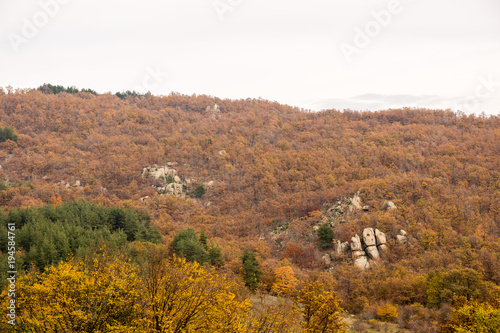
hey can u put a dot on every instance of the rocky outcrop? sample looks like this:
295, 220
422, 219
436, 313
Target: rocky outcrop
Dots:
213, 108
167, 181
174, 188
369, 249
337, 212
68, 185
160, 172
214, 111
366, 251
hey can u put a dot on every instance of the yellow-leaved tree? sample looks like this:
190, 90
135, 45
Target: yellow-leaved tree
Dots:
285, 282
101, 295
186, 297
321, 309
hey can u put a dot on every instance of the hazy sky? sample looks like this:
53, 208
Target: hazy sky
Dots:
358, 54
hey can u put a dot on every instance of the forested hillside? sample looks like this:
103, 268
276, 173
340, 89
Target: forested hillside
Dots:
257, 178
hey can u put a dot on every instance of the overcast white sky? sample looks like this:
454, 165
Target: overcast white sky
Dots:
313, 54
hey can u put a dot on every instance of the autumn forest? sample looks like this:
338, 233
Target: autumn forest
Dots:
142, 213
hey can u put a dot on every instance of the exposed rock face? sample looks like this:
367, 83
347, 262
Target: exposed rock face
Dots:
369, 237
355, 202
68, 185
326, 259
389, 205
214, 111
214, 107
337, 212
159, 172
356, 244
174, 188
167, 180
368, 251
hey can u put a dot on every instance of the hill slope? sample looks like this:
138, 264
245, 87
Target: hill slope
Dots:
257, 174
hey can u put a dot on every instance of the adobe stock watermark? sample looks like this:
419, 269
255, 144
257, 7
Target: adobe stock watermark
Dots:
485, 90
31, 27
224, 6
153, 79
372, 29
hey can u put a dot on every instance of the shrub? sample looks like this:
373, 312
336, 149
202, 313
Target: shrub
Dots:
325, 235
387, 313
199, 191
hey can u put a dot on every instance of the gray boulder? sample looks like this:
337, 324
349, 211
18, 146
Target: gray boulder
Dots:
355, 203
357, 254
356, 244
389, 205
372, 252
174, 188
340, 249
362, 262
369, 237
380, 236
402, 238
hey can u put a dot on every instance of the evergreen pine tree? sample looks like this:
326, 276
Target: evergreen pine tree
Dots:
251, 272
325, 235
